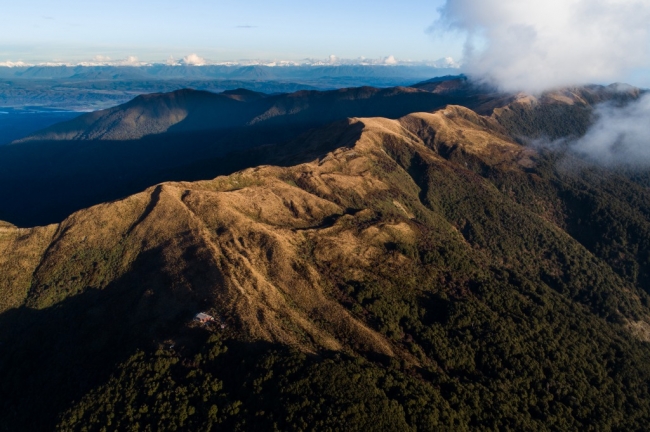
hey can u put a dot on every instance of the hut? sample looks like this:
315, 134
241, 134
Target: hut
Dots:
203, 317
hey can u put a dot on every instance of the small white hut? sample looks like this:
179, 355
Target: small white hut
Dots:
203, 317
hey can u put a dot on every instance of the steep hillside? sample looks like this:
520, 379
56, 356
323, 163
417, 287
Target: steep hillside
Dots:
192, 135
192, 111
150, 115
560, 113
421, 273
162, 137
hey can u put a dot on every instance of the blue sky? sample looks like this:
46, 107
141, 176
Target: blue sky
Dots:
66, 30
516, 44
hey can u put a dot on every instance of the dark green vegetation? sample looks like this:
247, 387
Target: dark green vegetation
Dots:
450, 280
561, 114
233, 386
606, 211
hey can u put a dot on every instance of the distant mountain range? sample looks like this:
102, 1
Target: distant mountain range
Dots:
236, 72
88, 88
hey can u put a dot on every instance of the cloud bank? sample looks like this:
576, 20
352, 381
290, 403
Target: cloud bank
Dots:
620, 136
11, 64
193, 60
532, 45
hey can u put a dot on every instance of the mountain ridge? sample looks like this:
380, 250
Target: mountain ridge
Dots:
205, 133
263, 109
432, 246
197, 140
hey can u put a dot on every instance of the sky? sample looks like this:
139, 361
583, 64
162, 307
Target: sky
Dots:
535, 45
517, 45
221, 30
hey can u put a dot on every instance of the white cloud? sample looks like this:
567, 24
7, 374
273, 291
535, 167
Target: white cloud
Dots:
101, 59
13, 64
130, 61
446, 62
193, 60
620, 135
333, 60
534, 45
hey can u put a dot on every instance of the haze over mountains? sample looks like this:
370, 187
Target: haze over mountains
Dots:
420, 272
227, 71
102, 86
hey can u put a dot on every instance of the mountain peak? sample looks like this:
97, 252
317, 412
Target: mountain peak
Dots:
244, 94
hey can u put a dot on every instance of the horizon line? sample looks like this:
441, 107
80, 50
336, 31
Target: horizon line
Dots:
132, 61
